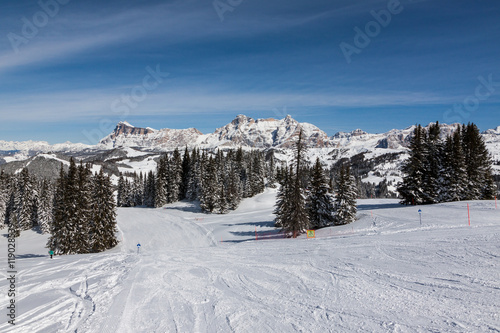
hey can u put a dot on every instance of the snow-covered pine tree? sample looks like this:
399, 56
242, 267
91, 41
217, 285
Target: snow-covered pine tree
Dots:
411, 188
233, 192
161, 182
149, 190
478, 162
345, 197
210, 192
59, 229
257, 176
176, 176
35, 202
293, 213
138, 189
432, 182
282, 209
320, 205
45, 212
103, 229
23, 200
271, 172
194, 176
4, 197
186, 166
454, 173
120, 195
81, 240
460, 180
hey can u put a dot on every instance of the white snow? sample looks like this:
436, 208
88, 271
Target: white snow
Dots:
208, 273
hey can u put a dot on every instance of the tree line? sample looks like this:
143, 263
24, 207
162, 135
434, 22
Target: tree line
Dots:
218, 180
458, 167
78, 210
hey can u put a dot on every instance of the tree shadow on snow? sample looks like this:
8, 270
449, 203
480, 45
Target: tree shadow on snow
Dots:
378, 206
27, 256
264, 224
189, 206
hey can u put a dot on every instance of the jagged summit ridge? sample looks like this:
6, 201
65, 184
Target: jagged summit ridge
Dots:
265, 133
127, 135
242, 131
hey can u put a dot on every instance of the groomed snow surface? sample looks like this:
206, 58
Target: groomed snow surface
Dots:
208, 273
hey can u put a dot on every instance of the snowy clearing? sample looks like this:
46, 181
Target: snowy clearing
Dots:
207, 273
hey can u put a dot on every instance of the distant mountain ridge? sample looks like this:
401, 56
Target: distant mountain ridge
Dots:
245, 132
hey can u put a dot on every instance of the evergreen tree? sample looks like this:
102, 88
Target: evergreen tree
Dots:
292, 212
282, 208
345, 199
82, 220
271, 172
432, 182
103, 228
320, 201
194, 176
150, 190
175, 176
45, 213
186, 166
411, 189
4, 197
120, 196
68, 225
478, 163
210, 196
59, 229
257, 183
161, 183
23, 200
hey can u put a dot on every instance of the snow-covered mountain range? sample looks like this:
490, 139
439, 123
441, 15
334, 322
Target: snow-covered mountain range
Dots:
129, 148
243, 131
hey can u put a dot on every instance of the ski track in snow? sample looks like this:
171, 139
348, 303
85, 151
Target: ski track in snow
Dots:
206, 273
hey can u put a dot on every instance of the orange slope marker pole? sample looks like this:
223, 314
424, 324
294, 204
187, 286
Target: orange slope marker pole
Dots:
468, 213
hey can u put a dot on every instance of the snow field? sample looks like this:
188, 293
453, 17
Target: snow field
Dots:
206, 273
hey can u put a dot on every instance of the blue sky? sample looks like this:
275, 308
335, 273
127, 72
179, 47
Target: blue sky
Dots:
72, 69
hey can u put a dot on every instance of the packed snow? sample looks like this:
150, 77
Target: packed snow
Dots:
196, 272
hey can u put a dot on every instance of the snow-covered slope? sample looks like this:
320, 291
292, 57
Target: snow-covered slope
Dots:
208, 273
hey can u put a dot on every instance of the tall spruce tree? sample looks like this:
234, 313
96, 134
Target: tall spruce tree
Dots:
432, 182
161, 183
411, 188
320, 201
210, 196
4, 197
293, 216
103, 228
345, 197
478, 162
45, 214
